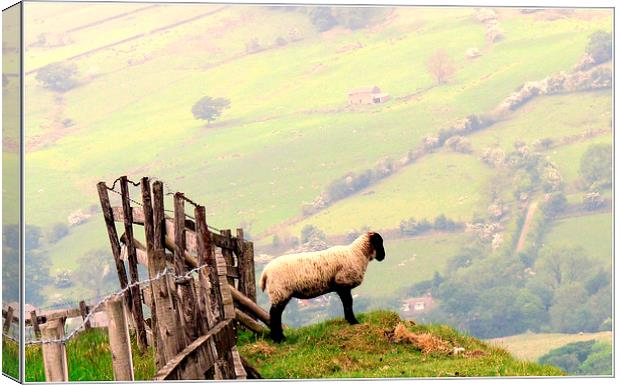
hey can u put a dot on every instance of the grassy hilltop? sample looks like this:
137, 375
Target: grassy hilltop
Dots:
325, 350
290, 136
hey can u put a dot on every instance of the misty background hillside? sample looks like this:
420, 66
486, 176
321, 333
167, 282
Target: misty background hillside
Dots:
476, 141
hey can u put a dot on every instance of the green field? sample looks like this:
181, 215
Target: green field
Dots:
532, 346
567, 157
423, 190
592, 232
421, 257
552, 117
289, 132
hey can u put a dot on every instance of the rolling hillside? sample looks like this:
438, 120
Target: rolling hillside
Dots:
289, 131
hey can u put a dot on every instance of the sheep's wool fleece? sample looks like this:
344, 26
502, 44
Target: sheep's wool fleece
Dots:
308, 275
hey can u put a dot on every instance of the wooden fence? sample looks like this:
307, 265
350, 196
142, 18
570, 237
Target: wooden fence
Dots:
200, 287
10, 316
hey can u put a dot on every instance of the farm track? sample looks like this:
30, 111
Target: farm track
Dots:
135, 37
531, 210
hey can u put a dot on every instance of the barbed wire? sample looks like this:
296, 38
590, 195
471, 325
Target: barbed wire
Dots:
170, 192
93, 309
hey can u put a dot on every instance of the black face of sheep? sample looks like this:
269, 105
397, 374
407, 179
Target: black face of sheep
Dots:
377, 244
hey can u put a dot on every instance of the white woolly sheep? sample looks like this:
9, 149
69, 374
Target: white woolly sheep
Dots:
308, 275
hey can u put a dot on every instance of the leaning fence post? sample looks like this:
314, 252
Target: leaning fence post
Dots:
54, 353
167, 321
84, 314
132, 262
8, 320
120, 344
34, 320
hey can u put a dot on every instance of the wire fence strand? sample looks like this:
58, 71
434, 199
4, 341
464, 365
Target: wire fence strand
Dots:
94, 309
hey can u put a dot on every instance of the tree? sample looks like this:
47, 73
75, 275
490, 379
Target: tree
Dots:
321, 18
569, 357
58, 77
593, 200
595, 165
556, 204
440, 66
599, 361
209, 108
355, 17
600, 46
309, 232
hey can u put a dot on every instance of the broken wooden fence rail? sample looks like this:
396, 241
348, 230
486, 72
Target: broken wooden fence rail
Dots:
35, 320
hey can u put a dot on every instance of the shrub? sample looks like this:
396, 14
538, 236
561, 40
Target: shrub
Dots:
593, 200
555, 205
253, 45
280, 41
413, 227
600, 46
595, 166
310, 232
58, 77
443, 223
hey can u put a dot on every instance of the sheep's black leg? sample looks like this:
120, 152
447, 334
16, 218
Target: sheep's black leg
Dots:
347, 303
275, 324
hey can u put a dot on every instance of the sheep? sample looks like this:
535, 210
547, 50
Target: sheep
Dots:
308, 275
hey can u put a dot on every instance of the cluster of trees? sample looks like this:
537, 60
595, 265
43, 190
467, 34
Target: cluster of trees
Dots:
595, 167
412, 226
58, 77
326, 18
96, 272
352, 182
600, 46
36, 264
497, 295
581, 358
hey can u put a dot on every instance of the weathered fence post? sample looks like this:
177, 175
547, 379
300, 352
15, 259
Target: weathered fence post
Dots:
209, 291
149, 234
228, 253
84, 314
120, 344
54, 353
34, 320
8, 320
167, 323
245, 258
187, 300
108, 216
132, 261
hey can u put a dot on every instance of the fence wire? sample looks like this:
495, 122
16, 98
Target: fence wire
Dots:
169, 192
166, 272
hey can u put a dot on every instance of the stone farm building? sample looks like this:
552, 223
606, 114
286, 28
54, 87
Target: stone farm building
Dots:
367, 95
418, 305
